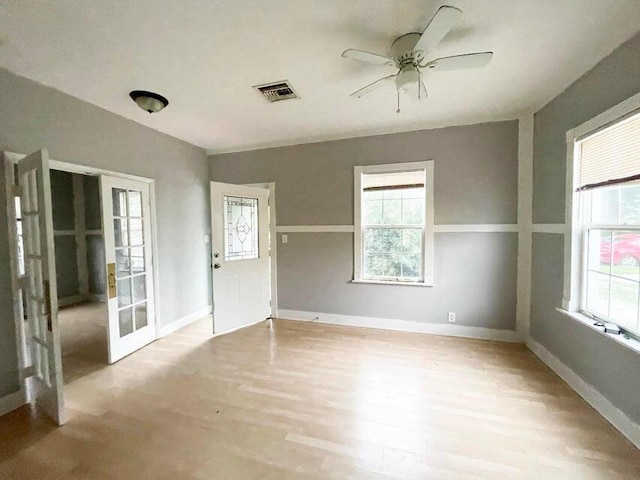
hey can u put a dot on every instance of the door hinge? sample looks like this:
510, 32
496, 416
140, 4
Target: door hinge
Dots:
16, 190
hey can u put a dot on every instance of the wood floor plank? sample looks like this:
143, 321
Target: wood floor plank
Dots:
290, 400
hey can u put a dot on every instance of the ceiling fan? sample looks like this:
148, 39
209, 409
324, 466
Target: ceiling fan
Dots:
409, 53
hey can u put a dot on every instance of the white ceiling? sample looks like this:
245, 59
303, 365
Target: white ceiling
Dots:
205, 56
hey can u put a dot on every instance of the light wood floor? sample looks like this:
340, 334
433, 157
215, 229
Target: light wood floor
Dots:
312, 401
83, 337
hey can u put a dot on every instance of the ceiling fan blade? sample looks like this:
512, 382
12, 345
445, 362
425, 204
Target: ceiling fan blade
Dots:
437, 28
368, 57
372, 86
459, 62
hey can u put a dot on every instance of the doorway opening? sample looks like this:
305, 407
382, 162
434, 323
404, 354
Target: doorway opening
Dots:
80, 272
83, 250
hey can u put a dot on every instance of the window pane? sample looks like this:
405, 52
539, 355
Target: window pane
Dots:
599, 251
240, 228
626, 254
624, 302
382, 265
598, 293
630, 204
371, 210
392, 210
411, 265
412, 240
618, 204
413, 211
382, 240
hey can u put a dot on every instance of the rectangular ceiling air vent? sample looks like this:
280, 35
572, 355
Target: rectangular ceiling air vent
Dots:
276, 91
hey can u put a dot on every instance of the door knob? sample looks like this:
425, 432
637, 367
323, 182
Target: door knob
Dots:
216, 265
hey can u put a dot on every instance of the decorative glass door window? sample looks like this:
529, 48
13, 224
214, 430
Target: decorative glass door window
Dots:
130, 260
240, 228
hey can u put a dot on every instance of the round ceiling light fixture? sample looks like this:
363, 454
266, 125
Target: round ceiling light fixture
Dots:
149, 101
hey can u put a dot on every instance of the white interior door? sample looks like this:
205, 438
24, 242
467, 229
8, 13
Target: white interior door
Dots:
127, 239
240, 249
39, 282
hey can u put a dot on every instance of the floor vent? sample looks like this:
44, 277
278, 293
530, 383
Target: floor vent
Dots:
276, 91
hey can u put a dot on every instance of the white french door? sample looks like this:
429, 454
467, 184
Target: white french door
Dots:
39, 283
240, 250
127, 238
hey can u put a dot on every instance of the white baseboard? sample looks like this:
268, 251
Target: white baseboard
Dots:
403, 325
184, 321
608, 410
12, 401
66, 301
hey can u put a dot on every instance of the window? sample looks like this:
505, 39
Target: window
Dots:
394, 223
606, 223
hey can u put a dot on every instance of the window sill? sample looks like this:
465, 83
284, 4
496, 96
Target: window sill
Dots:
389, 282
630, 343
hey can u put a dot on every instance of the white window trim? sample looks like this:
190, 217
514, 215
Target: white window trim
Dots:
573, 288
428, 242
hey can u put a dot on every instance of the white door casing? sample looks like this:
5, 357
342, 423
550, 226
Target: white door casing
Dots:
39, 283
126, 218
240, 255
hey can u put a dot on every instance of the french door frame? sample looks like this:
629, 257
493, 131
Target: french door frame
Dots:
10, 159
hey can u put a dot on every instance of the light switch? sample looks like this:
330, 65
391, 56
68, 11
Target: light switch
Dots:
284, 238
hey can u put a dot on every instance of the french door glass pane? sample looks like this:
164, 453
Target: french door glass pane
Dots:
124, 292
119, 197
135, 203
136, 234
137, 259
141, 315
125, 319
122, 262
120, 232
139, 288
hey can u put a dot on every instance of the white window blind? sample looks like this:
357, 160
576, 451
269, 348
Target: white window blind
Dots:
393, 180
611, 156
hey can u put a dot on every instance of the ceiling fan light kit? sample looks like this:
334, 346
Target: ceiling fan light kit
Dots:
149, 101
409, 52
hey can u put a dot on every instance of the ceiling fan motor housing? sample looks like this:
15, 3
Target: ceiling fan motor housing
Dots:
402, 50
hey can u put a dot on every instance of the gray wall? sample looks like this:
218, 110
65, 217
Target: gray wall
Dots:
33, 117
475, 183
609, 367
63, 212
97, 274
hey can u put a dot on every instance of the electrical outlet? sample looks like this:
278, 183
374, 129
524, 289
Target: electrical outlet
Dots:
452, 317
284, 238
